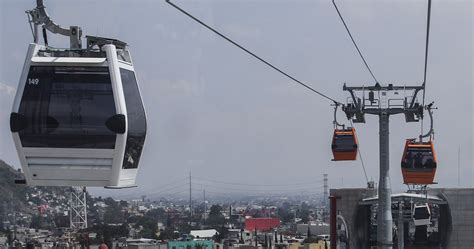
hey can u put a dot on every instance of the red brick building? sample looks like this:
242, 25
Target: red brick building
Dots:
261, 224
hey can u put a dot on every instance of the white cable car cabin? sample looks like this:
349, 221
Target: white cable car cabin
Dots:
78, 117
421, 214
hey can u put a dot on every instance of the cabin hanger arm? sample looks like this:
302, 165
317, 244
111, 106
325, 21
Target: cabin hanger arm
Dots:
39, 16
431, 131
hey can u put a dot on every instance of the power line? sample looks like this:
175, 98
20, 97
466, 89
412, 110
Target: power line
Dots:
185, 184
251, 53
175, 195
164, 187
353, 41
168, 184
258, 185
253, 194
153, 188
257, 190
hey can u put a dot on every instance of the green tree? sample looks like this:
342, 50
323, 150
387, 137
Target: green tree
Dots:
285, 215
40, 222
113, 212
105, 233
156, 214
168, 234
216, 218
222, 233
150, 227
36, 222
304, 212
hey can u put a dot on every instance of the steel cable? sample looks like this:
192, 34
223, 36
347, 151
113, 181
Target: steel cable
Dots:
252, 53
353, 41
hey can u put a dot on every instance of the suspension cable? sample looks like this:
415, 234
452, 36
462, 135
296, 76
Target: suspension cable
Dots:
251, 53
428, 19
361, 159
353, 41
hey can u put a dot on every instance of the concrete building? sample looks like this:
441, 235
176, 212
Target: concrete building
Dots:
318, 245
207, 234
191, 244
314, 228
452, 222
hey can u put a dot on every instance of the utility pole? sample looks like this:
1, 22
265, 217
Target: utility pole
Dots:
325, 194
5, 211
12, 209
205, 204
388, 101
459, 166
325, 197
190, 198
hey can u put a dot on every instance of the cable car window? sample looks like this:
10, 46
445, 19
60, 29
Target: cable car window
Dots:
422, 213
420, 158
344, 143
66, 107
136, 120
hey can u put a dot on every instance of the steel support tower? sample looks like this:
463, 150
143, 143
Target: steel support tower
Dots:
390, 100
400, 226
78, 208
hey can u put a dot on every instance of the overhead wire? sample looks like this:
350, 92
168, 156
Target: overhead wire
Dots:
175, 195
257, 184
262, 194
246, 190
153, 189
252, 53
185, 184
296, 80
353, 41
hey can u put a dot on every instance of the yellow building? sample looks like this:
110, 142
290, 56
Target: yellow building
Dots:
320, 245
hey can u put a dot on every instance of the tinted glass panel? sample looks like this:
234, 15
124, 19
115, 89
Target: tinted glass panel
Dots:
66, 107
419, 158
136, 120
421, 213
344, 143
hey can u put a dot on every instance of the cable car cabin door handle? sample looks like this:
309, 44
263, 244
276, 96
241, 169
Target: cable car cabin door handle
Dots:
116, 123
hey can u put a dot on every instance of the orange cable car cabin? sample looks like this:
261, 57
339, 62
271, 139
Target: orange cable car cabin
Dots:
419, 162
344, 144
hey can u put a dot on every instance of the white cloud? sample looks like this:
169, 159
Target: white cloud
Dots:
9, 90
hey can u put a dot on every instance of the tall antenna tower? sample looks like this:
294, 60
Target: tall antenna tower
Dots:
190, 197
78, 208
205, 204
459, 166
325, 194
